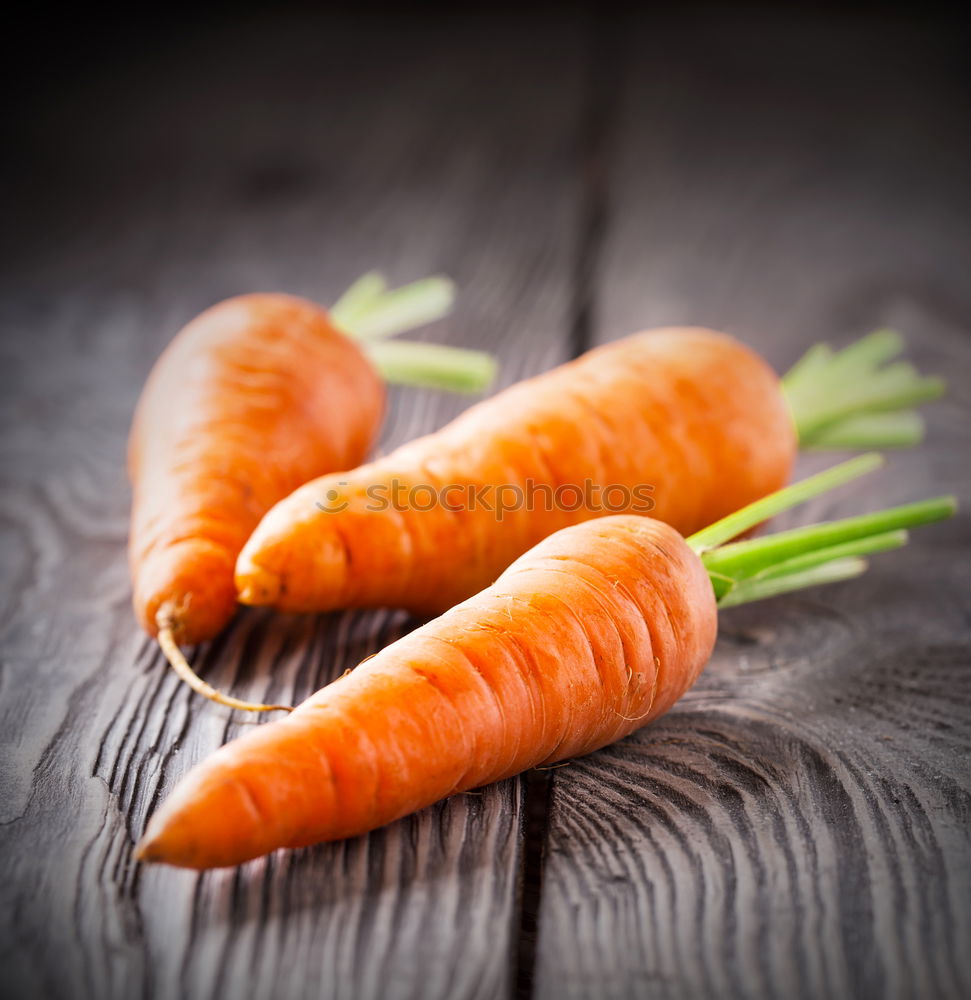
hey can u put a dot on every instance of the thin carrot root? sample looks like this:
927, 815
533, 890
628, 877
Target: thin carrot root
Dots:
178, 662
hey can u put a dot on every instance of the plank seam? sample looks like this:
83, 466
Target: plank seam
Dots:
596, 127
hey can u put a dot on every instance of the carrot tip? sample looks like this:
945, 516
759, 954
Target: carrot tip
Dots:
254, 585
248, 595
147, 848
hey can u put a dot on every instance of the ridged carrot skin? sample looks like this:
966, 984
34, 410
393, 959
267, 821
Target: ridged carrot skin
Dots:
590, 635
254, 397
689, 411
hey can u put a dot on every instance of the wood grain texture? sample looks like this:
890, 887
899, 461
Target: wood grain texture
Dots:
798, 825
268, 155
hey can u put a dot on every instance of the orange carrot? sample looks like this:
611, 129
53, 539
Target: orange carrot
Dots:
688, 413
242, 408
554, 660
593, 633
254, 397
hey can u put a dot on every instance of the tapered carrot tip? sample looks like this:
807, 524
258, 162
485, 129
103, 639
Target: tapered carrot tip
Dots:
149, 849
257, 584
254, 584
258, 587
202, 824
263, 572
169, 839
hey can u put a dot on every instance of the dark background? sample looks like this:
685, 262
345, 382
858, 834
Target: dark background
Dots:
798, 825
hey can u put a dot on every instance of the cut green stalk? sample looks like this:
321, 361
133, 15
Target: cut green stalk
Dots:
759, 590
432, 366
868, 352
894, 388
368, 310
862, 356
725, 581
818, 553
791, 496
741, 560
757, 568
805, 371
821, 364
830, 392
371, 313
903, 429
869, 545
355, 301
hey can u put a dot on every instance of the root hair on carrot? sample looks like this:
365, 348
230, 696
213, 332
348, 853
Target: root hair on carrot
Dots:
178, 662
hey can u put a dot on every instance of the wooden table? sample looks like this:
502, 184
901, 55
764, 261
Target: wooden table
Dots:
798, 826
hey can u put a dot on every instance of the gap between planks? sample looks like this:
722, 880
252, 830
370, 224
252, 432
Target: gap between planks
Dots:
596, 126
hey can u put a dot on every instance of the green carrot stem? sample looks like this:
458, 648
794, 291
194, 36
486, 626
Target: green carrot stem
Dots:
356, 300
820, 366
805, 371
725, 582
758, 590
859, 358
870, 545
868, 352
791, 496
893, 388
871, 430
829, 391
369, 311
803, 557
746, 559
432, 366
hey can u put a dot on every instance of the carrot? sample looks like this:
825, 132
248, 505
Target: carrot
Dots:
690, 414
254, 397
596, 631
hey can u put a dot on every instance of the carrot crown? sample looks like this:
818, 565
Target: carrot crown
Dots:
852, 398
757, 568
371, 313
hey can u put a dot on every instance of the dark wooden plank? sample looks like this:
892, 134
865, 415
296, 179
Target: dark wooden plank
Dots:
798, 825
284, 153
